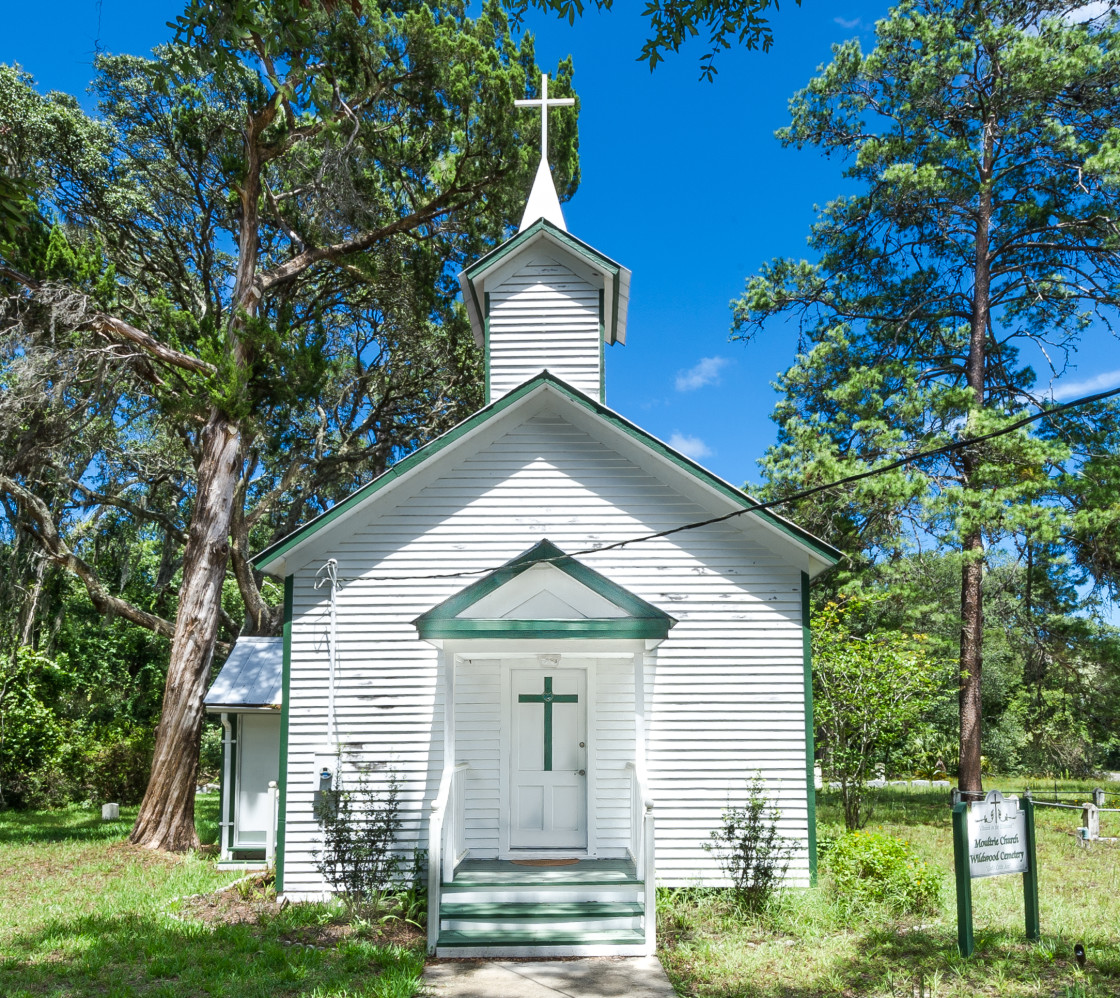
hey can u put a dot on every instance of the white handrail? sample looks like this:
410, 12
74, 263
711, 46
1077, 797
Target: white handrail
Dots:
642, 845
437, 827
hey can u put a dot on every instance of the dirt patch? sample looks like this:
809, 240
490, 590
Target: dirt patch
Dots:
253, 902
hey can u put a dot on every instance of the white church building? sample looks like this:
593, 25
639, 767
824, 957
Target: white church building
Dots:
523, 624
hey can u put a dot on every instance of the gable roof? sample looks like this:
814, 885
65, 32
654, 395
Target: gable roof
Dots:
250, 677
276, 555
633, 617
616, 277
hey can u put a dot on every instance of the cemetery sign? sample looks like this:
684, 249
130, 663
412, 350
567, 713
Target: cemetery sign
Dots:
997, 838
992, 838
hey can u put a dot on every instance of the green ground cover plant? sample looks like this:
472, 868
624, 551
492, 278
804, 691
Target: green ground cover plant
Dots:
808, 943
85, 913
865, 869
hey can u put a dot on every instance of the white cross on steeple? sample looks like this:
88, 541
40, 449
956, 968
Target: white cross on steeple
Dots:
544, 103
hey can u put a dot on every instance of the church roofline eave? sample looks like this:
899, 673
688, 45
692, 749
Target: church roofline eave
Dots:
274, 559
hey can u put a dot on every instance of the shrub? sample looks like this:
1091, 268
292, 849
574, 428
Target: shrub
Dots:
868, 691
750, 849
360, 827
867, 869
118, 769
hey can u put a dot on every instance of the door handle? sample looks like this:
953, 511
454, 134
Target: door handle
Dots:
581, 772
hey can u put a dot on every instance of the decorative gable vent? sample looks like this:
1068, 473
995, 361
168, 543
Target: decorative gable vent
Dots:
544, 594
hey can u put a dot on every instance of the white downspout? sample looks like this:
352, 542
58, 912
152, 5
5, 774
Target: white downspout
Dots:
225, 825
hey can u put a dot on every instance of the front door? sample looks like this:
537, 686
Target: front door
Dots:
548, 759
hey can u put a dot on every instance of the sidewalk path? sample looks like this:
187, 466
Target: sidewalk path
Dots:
587, 977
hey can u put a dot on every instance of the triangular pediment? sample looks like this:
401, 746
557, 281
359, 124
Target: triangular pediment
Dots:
544, 593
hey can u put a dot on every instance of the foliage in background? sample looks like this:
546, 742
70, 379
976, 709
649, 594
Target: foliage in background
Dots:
870, 869
1051, 693
360, 824
674, 22
984, 161
239, 301
750, 848
869, 688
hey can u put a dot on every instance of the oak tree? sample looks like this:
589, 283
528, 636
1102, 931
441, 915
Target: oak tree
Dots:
242, 279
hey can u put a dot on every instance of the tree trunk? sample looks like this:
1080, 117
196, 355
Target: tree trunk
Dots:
166, 819
972, 643
972, 572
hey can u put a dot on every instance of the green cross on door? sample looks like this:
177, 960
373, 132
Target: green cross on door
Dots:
547, 698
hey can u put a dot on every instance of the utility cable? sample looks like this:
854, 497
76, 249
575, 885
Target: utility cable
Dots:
770, 504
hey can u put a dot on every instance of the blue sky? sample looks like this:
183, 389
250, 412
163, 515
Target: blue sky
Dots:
683, 182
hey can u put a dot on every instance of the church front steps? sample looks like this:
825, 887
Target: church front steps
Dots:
495, 909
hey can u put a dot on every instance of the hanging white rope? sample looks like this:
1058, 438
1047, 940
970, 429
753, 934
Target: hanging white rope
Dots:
328, 576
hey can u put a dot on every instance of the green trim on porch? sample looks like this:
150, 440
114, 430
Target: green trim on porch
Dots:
285, 715
543, 380
643, 620
613, 627
810, 780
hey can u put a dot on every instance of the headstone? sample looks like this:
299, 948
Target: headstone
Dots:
110, 812
1091, 821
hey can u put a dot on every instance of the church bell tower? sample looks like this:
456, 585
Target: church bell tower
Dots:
543, 299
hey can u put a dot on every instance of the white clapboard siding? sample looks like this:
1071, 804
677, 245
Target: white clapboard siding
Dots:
724, 693
544, 317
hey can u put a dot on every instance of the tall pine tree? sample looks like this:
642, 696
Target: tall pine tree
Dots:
981, 137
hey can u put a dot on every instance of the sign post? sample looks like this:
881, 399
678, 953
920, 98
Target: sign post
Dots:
990, 839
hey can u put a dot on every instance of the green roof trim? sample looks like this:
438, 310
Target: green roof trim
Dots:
643, 620
615, 627
810, 753
566, 239
281, 547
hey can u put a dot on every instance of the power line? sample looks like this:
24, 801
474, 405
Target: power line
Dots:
770, 504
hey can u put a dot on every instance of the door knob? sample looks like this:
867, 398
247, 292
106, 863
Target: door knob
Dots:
581, 772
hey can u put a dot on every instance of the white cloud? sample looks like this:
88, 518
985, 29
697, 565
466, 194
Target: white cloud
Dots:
692, 447
845, 23
1089, 12
1090, 386
705, 372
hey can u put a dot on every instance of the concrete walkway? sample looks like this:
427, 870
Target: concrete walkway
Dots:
584, 977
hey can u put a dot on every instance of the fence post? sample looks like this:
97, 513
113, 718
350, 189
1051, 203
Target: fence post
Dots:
1030, 878
965, 942
1098, 797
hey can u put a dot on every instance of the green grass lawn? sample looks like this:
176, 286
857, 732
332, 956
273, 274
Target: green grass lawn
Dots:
82, 913
808, 946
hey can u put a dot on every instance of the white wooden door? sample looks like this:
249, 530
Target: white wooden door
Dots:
548, 759
259, 752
